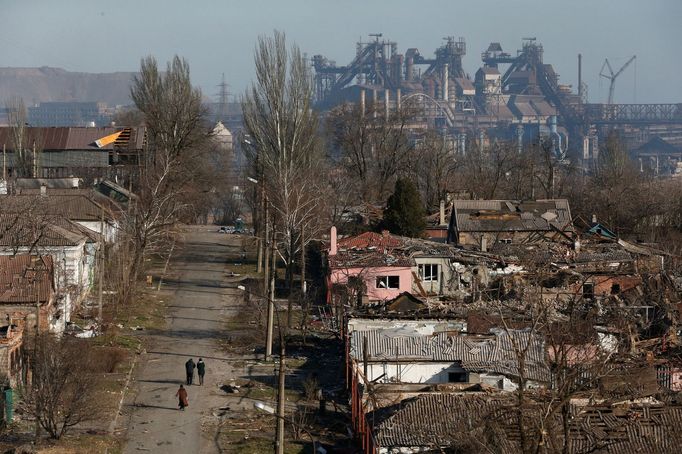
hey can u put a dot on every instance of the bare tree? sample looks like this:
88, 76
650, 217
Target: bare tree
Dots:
374, 148
171, 106
63, 384
173, 114
435, 165
278, 116
24, 141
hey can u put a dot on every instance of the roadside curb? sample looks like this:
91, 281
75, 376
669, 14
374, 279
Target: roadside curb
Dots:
112, 425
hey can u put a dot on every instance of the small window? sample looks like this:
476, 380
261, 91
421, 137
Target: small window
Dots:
588, 290
615, 289
392, 282
457, 377
428, 272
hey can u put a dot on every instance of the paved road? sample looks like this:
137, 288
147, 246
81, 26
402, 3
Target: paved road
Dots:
203, 298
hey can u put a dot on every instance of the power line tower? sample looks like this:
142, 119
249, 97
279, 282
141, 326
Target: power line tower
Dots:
221, 110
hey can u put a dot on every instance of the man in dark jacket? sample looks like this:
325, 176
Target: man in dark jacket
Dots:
189, 368
201, 370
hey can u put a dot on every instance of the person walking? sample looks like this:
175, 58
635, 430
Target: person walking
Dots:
183, 400
189, 368
201, 370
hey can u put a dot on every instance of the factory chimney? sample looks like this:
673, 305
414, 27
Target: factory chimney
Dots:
446, 76
580, 76
362, 102
374, 103
387, 95
333, 246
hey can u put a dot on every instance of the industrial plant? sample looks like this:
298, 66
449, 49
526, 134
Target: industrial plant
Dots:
513, 96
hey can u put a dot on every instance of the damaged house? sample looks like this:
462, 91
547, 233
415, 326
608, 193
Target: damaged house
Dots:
482, 223
27, 300
374, 267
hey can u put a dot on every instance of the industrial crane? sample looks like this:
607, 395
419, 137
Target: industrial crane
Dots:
612, 77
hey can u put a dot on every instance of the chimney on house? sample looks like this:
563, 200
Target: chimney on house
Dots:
332, 248
74, 183
442, 212
594, 219
43, 189
484, 244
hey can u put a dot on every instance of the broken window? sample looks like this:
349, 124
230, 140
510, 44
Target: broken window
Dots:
457, 377
588, 290
388, 282
428, 272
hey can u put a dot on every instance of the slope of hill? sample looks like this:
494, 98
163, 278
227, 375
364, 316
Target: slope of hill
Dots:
44, 84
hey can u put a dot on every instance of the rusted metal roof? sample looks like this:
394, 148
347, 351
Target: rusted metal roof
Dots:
26, 279
78, 138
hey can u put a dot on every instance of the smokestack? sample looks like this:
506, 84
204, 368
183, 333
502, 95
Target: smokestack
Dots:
397, 99
362, 102
374, 103
442, 212
387, 95
580, 76
409, 68
332, 248
446, 76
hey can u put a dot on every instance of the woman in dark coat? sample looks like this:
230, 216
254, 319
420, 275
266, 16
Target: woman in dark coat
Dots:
183, 401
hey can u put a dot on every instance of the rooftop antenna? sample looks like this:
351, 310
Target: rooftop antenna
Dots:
613, 76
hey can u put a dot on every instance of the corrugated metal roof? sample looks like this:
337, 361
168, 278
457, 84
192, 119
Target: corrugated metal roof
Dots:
490, 354
496, 215
77, 138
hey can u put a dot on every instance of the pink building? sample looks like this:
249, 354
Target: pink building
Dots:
368, 266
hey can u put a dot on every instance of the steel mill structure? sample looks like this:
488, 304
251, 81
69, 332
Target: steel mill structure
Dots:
515, 97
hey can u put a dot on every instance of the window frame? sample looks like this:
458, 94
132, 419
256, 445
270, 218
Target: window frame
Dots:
433, 276
387, 279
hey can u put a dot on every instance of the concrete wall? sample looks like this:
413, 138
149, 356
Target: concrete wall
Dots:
443, 285
431, 372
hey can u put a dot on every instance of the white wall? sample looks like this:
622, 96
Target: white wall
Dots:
412, 372
425, 327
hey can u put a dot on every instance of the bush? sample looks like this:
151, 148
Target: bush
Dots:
107, 359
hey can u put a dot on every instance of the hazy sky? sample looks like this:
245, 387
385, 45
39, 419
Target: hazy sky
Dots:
218, 36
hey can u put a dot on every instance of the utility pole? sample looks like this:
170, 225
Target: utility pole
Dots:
279, 439
101, 266
271, 304
266, 273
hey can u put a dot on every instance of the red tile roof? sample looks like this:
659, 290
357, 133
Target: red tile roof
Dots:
383, 240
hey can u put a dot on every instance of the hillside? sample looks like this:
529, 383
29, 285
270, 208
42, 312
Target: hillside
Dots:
44, 84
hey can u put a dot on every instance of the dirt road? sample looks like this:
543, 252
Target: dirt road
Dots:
204, 296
